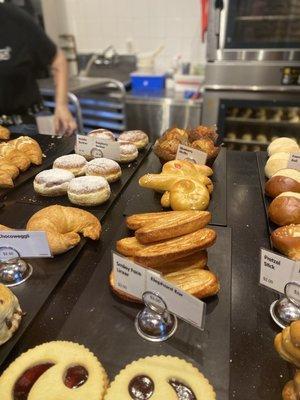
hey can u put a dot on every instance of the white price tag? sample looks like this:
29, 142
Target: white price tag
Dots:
135, 280
93, 147
28, 244
189, 154
276, 270
45, 125
294, 161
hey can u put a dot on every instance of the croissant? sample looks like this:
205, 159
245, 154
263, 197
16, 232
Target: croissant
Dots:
10, 169
5, 180
30, 147
4, 133
63, 225
15, 157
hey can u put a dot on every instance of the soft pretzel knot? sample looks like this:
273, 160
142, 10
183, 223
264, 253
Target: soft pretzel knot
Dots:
59, 357
63, 225
160, 378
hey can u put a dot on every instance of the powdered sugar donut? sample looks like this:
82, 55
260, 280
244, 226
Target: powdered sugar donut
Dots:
74, 163
108, 169
88, 190
52, 182
102, 134
138, 138
128, 152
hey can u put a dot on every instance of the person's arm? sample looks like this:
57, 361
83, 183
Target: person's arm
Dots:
63, 119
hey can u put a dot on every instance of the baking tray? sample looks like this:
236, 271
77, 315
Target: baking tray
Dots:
52, 148
147, 200
26, 194
106, 323
262, 158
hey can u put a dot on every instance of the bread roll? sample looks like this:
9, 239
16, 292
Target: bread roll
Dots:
287, 240
283, 144
285, 180
275, 163
285, 209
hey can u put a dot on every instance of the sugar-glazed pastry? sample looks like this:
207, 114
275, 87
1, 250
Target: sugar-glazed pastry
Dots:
52, 182
74, 163
128, 153
138, 138
88, 190
108, 169
103, 134
52, 371
10, 314
160, 378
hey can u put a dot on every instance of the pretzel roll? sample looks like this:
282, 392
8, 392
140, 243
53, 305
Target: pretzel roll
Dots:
283, 144
285, 180
285, 209
189, 195
286, 239
276, 162
63, 225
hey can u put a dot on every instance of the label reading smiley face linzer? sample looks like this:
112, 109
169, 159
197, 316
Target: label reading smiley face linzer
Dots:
92, 147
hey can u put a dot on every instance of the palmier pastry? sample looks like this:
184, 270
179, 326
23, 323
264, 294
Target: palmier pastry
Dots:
52, 182
283, 144
4, 133
137, 221
285, 209
160, 378
128, 153
129, 246
52, 371
74, 163
102, 134
138, 138
286, 239
30, 147
203, 132
88, 190
285, 180
63, 225
108, 169
275, 163
10, 314
206, 145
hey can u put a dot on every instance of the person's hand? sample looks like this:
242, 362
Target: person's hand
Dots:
64, 122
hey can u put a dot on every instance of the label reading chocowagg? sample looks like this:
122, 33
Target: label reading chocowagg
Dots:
276, 270
136, 280
189, 154
28, 244
92, 147
294, 161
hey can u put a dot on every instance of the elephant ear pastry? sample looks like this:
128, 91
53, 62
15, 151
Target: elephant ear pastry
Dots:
160, 378
52, 371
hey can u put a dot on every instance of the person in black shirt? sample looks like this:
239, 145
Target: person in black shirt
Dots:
24, 50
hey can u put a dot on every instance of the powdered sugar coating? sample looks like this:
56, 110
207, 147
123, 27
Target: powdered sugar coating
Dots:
70, 161
132, 136
88, 184
102, 134
102, 166
128, 149
54, 176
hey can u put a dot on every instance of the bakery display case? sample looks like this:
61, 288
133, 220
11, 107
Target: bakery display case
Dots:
71, 297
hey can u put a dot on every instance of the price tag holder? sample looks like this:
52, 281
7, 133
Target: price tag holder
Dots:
135, 280
276, 270
294, 161
192, 155
93, 147
28, 244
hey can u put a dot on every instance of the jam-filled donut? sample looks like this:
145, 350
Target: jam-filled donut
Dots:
88, 190
160, 378
128, 153
103, 134
74, 163
52, 371
108, 169
52, 182
138, 138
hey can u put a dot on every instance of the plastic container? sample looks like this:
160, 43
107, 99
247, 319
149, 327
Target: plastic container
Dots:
147, 82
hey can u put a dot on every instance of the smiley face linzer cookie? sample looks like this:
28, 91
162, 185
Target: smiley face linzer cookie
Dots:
160, 378
52, 371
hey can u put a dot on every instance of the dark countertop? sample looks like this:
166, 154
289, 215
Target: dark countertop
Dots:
256, 370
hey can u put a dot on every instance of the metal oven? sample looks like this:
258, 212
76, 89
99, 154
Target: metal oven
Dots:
252, 82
